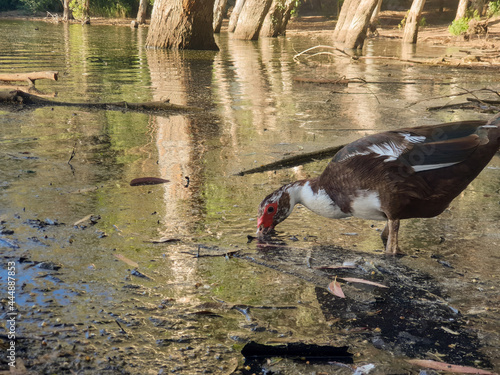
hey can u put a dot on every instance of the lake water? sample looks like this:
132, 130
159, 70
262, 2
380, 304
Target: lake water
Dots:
59, 165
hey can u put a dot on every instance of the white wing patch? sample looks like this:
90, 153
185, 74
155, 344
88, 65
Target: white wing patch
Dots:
353, 154
413, 138
428, 167
389, 149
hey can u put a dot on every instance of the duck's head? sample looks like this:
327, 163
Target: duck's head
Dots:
275, 208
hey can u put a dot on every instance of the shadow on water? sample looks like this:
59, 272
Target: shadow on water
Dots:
113, 278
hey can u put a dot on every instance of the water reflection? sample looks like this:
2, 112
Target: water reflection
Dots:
253, 113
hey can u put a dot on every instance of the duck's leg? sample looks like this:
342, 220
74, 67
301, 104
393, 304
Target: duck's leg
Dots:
385, 234
392, 228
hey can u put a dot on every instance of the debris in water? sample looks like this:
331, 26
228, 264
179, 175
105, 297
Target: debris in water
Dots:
335, 289
164, 240
131, 263
136, 273
365, 369
441, 366
361, 281
147, 181
297, 350
90, 219
49, 266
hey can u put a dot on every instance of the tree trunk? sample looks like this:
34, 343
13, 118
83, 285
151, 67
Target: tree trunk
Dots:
251, 18
86, 12
356, 32
182, 24
277, 18
235, 14
411, 28
141, 13
219, 8
376, 12
66, 11
462, 9
346, 14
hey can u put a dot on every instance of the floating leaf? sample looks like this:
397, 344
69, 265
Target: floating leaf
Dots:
447, 367
361, 281
335, 289
147, 181
131, 263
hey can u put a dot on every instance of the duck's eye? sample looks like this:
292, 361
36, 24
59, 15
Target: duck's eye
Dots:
270, 210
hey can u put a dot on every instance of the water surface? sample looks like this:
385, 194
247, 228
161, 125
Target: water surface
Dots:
253, 113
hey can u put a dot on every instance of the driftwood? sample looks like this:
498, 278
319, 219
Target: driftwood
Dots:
293, 161
30, 77
19, 97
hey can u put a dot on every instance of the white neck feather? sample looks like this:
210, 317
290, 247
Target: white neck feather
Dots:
319, 202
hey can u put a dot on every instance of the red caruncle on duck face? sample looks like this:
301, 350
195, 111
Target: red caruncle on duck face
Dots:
267, 212
273, 210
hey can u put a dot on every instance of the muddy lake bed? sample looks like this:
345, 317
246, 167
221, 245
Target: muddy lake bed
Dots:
155, 279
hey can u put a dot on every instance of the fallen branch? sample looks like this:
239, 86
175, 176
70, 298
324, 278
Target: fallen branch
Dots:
483, 101
20, 97
340, 81
294, 160
453, 95
30, 77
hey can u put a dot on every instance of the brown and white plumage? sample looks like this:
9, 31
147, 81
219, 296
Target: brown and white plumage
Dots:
394, 175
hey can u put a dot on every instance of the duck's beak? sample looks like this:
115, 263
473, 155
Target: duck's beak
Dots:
262, 230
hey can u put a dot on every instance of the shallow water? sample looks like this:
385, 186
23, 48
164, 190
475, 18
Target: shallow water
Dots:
253, 113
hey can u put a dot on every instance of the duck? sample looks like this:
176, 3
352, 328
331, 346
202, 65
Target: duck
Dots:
400, 174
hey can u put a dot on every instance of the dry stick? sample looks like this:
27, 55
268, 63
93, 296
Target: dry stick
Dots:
30, 77
475, 100
20, 97
319, 46
471, 92
294, 160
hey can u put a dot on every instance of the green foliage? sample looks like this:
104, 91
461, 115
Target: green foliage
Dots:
421, 23
40, 5
98, 8
107, 8
8, 5
295, 8
493, 8
460, 26
77, 9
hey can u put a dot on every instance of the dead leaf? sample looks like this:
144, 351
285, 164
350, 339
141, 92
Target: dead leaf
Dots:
335, 289
447, 367
361, 281
147, 181
131, 263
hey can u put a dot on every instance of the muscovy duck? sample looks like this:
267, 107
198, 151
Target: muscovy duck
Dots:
394, 175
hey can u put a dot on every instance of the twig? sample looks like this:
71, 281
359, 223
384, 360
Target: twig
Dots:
471, 92
295, 58
119, 325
